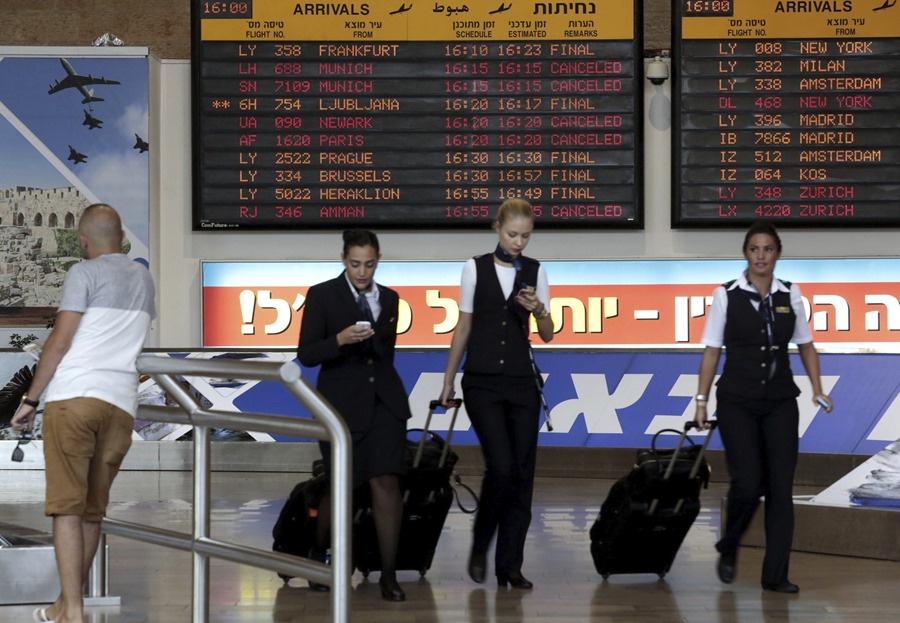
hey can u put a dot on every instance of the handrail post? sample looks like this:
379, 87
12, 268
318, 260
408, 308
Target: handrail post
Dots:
341, 489
341, 468
200, 603
96, 584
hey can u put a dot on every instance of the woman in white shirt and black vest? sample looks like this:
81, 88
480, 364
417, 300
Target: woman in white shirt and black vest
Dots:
755, 317
499, 294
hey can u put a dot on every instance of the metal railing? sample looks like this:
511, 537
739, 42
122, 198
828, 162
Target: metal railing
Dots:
326, 425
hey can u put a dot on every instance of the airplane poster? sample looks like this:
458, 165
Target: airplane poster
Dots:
73, 131
75, 80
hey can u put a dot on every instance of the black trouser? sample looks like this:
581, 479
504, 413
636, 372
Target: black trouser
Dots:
761, 441
505, 413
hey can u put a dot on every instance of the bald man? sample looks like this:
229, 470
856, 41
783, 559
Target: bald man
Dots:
87, 368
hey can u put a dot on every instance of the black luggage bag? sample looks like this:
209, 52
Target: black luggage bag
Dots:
427, 497
295, 530
648, 512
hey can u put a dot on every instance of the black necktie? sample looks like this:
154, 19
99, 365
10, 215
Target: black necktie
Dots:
363, 303
768, 318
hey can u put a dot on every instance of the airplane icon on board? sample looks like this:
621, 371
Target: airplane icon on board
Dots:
92, 122
140, 144
76, 157
76, 81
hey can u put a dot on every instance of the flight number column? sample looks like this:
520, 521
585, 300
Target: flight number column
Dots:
772, 139
291, 192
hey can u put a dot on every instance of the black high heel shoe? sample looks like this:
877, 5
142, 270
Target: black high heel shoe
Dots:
477, 567
514, 579
390, 589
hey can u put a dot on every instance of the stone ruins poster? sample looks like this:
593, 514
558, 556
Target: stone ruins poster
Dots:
73, 131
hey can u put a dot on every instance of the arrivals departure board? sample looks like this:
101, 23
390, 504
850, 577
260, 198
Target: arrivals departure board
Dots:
400, 113
787, 111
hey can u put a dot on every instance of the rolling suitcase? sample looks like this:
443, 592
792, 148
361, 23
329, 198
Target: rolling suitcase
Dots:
427, 497
648, 512
295, 530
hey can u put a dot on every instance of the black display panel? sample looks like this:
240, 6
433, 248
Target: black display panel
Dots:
407, 115
786, 111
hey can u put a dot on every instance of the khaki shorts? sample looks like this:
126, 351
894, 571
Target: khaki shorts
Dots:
85, 440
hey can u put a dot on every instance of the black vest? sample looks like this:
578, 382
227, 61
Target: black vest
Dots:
498, 343
748, 357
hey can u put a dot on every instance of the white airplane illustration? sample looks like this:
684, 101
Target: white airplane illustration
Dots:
77, 81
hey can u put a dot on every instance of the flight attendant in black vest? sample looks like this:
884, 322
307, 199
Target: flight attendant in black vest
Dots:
359, 379
755, 317
499, 294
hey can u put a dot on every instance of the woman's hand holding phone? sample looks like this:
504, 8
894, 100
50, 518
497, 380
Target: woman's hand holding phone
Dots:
355, 333
527, 298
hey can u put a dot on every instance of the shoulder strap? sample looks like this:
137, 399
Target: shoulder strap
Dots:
460, 483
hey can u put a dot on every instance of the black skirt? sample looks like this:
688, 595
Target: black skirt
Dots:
377, 450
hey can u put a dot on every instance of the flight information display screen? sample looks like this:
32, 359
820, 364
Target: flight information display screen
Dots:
787, 111
406, 114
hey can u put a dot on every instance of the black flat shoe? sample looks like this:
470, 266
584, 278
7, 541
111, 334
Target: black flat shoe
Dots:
477, 567
390, 590
514, 579
781, 587
726, 567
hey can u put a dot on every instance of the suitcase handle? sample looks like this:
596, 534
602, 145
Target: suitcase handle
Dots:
697, 463
687, 427
677, 432
456, 403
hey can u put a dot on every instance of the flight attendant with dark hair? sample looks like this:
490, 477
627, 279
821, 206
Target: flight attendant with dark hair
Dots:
359, 379
754, 318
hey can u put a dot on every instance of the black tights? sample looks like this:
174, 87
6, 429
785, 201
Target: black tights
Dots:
387, 507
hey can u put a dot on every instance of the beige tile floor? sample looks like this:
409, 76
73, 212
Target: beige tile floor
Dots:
155, 583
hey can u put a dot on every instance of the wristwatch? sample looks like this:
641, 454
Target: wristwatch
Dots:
28, 401
541, 314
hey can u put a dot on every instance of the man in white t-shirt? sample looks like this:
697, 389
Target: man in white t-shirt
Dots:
87, 368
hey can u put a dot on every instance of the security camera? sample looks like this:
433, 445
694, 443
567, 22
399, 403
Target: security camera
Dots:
657, 71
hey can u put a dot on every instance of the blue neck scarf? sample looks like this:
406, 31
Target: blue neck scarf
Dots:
503, 255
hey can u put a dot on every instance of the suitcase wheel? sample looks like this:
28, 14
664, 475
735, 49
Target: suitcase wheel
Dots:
605, 576
662, 575
284, 578
422, 572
